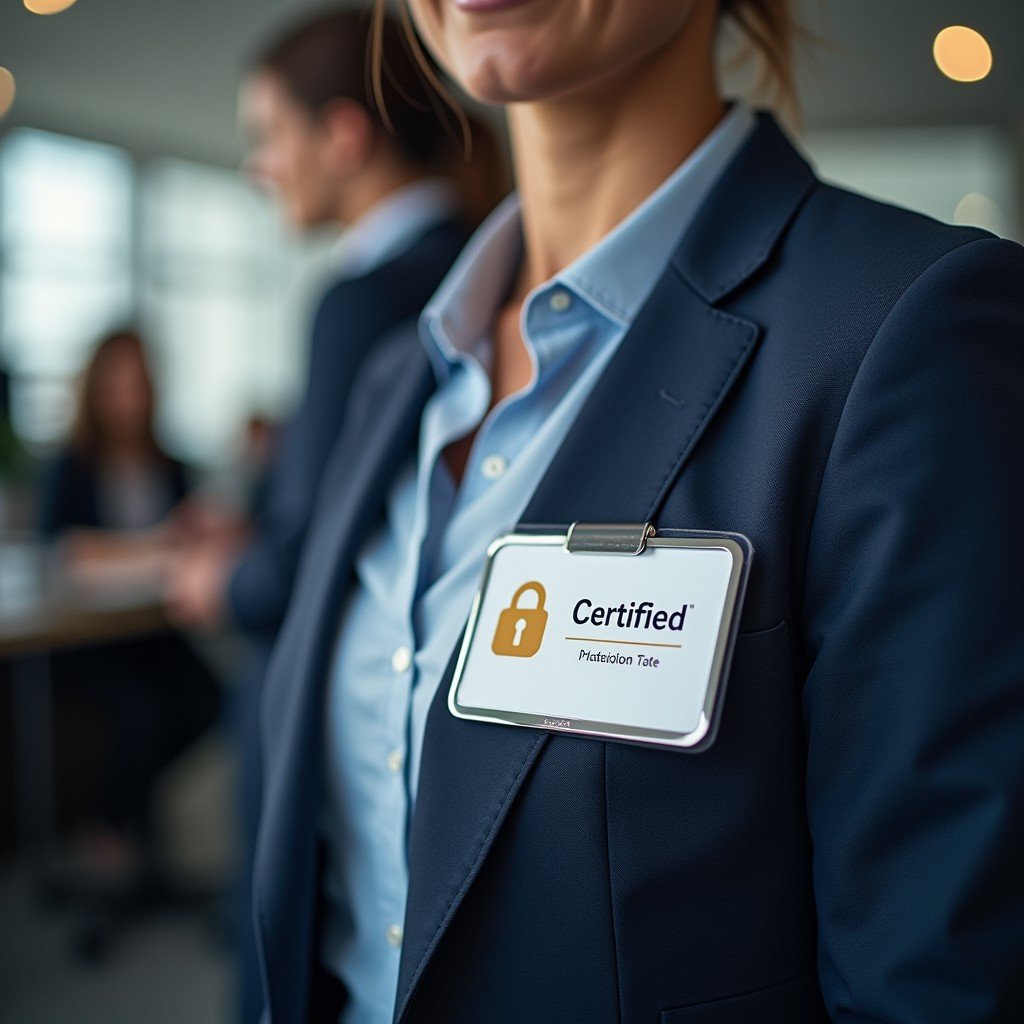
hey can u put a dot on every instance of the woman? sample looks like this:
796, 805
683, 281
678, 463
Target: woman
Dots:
672, 321
111, 489
107, 499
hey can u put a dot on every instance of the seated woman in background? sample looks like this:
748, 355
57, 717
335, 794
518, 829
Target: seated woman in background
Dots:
107, 499
109, 492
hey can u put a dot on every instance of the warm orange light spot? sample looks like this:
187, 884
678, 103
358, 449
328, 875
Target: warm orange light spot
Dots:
962, 54
48, 6
6, 91
980, 211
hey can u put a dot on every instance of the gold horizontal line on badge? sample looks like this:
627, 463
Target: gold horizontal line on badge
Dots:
633, 643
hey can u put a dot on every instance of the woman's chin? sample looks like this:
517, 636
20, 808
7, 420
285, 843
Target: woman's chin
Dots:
503, 71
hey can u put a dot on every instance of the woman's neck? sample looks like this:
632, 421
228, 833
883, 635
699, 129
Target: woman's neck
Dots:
583, 162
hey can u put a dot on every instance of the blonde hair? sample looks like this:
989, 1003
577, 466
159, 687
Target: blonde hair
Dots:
771, 34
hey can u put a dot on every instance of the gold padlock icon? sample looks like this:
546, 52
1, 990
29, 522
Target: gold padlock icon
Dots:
520, 630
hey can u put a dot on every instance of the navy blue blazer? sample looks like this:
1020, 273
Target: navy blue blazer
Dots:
351, 317
843, 382
69, 492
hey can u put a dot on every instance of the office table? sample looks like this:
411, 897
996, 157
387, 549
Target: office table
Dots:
43, 608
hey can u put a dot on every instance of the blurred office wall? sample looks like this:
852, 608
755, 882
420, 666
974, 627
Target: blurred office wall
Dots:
965, 175
880, 116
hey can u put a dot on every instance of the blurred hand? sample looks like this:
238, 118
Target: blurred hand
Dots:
197, 580
198, 519
115, 559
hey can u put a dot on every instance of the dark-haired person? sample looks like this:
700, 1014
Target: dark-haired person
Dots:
333, 153
106, 499
673, 321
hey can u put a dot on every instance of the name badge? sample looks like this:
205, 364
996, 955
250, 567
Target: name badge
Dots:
607, 630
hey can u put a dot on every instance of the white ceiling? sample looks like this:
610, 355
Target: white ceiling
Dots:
159, 76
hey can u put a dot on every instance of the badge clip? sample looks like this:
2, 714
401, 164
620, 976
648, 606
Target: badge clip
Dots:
609, 538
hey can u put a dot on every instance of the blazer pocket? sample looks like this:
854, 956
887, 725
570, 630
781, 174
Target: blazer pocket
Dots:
797, 1001
766, 631
761, 651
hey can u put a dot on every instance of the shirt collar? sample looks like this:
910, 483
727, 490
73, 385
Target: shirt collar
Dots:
614, 276
617, 274
463, 307
393, 223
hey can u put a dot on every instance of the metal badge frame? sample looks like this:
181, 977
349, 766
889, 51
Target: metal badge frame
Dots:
628, 540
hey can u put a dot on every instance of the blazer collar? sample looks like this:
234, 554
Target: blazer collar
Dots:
745, 214
628, 445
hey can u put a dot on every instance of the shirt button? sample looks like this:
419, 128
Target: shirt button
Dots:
395, 761
560, 301
401, 659
493, 466
394, 935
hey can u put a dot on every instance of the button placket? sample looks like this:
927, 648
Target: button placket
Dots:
401, 659
493, 466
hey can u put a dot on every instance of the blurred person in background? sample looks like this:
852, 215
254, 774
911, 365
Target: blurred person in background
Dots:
380, 166
259, 445
107, 500
108, 494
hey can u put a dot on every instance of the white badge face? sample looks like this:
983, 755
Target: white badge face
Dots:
621, 646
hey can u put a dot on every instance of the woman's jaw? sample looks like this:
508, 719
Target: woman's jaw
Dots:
514, 51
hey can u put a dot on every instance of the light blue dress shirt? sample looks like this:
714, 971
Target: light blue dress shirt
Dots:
416, 574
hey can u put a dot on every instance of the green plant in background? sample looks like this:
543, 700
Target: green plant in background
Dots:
15, 463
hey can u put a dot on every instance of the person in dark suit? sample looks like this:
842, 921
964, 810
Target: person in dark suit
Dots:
674, 321
107, 500
333, 154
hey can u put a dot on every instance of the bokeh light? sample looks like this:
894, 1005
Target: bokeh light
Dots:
48, 6
962, 54
6, 90
980, 211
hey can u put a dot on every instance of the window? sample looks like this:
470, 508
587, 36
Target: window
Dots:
91, 240
66, 271
213, 273
963, 175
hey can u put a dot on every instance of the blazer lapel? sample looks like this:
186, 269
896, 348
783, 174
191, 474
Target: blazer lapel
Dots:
359, 486
628, 445
355, 484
